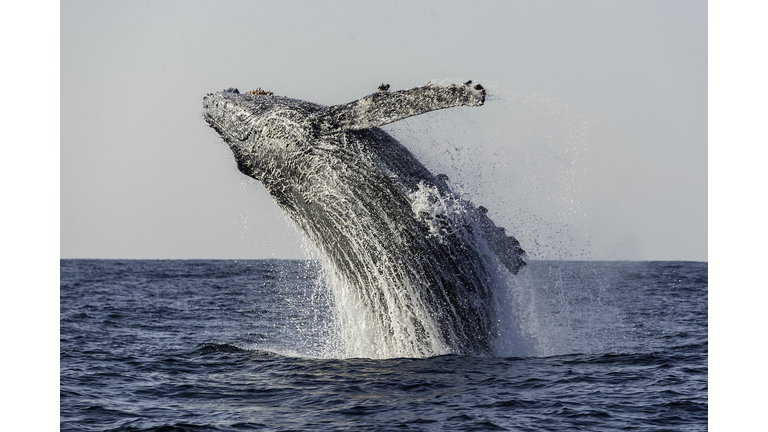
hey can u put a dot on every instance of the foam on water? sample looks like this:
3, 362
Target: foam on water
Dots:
548, 309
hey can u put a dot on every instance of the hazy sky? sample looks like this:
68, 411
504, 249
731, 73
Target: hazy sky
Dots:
592, 144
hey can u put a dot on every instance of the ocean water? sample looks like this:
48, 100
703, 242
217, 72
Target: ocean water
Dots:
223, 345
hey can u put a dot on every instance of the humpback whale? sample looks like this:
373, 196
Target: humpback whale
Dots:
415, 258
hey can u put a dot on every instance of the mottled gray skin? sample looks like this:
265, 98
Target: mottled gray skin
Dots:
346, 183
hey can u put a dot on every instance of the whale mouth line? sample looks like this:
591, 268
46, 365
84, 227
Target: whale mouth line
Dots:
228, 136
219, 127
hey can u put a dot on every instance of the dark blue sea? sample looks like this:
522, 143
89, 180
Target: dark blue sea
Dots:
224, 345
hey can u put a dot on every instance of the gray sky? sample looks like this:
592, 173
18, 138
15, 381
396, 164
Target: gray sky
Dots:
592, 144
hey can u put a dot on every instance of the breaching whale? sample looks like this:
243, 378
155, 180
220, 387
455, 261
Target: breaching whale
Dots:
416, 259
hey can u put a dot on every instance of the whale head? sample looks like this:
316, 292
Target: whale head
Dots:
239, 118
263, 130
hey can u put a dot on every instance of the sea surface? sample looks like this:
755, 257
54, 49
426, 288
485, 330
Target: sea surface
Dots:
224, 345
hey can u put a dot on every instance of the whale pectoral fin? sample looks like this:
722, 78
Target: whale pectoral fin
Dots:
506, 248
385, 107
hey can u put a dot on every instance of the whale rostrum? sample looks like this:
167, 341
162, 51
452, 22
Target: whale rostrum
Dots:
417, 259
